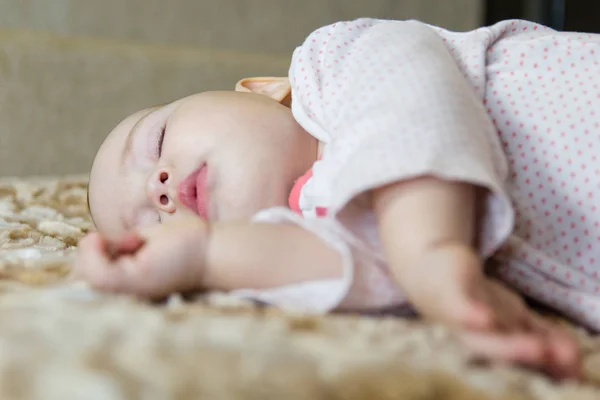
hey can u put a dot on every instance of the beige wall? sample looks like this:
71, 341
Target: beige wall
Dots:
255, 25
70, 69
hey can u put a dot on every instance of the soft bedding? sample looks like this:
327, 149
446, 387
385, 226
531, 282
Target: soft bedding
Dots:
60, 340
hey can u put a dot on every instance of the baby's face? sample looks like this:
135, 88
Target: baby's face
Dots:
217, 155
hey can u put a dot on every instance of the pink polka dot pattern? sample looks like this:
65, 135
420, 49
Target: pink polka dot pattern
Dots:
384, 96
512, 108
543, 96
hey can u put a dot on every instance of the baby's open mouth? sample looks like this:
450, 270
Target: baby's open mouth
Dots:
192, 192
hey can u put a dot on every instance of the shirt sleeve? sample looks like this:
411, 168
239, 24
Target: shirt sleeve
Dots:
365, 284
395, 100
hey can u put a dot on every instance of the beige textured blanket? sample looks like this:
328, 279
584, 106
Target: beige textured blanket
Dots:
59, 340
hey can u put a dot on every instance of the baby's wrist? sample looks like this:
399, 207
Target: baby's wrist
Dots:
196, 235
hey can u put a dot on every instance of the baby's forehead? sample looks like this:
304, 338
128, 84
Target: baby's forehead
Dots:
105, 167
115, 140
127, 124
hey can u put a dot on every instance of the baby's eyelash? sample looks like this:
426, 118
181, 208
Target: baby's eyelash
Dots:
160, 140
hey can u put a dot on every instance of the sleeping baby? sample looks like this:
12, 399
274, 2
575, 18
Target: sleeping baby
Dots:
394, 161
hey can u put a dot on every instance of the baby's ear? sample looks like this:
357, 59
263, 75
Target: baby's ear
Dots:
278, 89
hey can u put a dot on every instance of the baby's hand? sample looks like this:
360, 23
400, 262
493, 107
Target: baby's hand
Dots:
152, 262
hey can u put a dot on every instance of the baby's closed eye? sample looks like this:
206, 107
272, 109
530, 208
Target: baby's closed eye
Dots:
156, 137
160, 140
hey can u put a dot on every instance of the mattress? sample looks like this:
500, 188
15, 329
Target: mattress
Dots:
61, 340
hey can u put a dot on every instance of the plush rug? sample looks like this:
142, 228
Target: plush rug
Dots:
60, 340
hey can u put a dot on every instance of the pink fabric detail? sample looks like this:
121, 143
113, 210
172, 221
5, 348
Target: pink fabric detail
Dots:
294, 198
321, 211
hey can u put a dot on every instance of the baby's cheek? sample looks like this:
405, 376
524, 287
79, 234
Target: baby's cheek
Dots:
239, 201
147, 219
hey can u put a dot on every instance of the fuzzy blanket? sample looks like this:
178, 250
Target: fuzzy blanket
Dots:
60, 340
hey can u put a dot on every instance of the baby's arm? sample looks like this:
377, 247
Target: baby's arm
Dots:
189, 255
425, 219
427, 227
262, 255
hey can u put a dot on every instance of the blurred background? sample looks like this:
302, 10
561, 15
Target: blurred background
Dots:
71, 69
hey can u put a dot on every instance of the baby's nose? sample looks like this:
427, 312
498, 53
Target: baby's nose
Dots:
158, 190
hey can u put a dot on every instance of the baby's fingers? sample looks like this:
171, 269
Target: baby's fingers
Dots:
90, 247
519, 348
92, 242
129, 243
563, 355
93, 265
531, 349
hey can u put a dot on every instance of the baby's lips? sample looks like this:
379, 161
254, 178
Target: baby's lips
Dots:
187, 191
